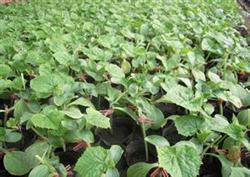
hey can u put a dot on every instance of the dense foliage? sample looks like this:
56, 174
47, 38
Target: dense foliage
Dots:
115, 88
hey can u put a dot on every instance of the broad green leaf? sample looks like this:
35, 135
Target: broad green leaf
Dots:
40, 171
151, 112
112, 172
79, 135
240, 172
13, 137
63, 58
73, 112
140, 169
126, 67
20, 108
241, 93
214, 77
52, 120
235, 131
116, 153
5, 70
43, 84
227, 96
82, 102
244, 117
228, 169
37, 148
157, 140
209, 44
189, 125
198, 75
209, 108
115, 72
92, 162
87, 136
184, 97
218, 123
180, 160
43, 121
17, 163
69, 124
95, 118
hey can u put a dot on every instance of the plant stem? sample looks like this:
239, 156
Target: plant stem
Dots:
118, 98
38, 133
221, 108
6, 113
23, 81
218, 139
45, 162
145, 142
225, 67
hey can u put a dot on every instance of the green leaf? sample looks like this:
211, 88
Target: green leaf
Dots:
126, 67
82, 102
17, 163
151, 112
43, 84
12, 137
180, 160
184, 97
198, 75
235, 131
189, 125
52, 120
214, 77
140, 169
209, 108
92, 162
209, 44
115, 72
240, 172
73, 113
244, 117
157, 140
228, 169
218, 123
37, 148
95, 118
5, 70
69, 124
241, 93
20, 108
64, 58
42, 121
112, 173
40, 171
87, 136
116, 153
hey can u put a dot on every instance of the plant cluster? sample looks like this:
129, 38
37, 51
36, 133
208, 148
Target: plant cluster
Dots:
113, 88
